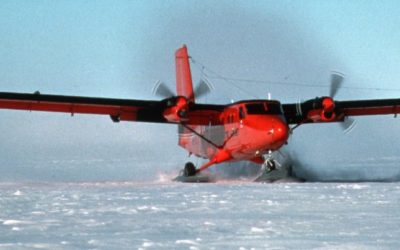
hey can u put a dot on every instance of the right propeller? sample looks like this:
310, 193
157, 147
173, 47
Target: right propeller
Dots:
348, 125
336, 82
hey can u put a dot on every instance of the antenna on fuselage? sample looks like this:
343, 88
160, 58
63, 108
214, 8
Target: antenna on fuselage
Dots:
269, 96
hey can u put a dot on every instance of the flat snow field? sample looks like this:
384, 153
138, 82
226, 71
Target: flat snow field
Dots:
227, 215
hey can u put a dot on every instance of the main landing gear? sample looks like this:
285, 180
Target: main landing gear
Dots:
189, 170
191, 174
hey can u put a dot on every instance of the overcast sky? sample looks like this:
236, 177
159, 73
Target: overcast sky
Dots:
119, 49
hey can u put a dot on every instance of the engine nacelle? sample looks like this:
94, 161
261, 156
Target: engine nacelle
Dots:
325, 111
327, 116
177, 109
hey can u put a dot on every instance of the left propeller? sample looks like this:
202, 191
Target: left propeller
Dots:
162, 90
203, 88
178, 107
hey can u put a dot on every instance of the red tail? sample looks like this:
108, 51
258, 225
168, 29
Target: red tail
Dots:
184, 85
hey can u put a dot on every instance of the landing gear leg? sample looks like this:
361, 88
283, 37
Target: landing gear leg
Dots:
270, 170
269, 164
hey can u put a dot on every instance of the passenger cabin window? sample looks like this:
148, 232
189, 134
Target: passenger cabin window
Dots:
230, 118
241, 113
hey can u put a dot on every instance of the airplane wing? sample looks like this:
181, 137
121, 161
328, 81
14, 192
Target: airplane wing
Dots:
117, 109
315, 111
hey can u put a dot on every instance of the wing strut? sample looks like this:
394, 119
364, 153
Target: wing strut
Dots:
201, 136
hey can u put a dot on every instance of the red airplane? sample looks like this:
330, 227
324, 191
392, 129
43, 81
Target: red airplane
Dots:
248, 130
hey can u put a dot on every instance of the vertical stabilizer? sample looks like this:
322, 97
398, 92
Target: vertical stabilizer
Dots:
184, 85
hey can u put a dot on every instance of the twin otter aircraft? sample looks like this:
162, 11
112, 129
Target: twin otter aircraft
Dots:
248, 130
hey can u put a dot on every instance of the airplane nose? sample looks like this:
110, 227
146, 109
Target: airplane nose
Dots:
279, 132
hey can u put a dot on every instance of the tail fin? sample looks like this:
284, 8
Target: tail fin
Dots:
184, 85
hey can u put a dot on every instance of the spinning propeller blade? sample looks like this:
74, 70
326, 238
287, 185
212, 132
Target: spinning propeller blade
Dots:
162, 90
336, 83
203, 88
348, 125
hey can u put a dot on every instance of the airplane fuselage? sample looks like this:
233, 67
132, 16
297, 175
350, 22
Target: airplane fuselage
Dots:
250, 129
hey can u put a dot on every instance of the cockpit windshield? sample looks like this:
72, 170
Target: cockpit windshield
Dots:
261, 108
256, 109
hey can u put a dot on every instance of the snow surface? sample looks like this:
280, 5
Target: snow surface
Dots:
229, 215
